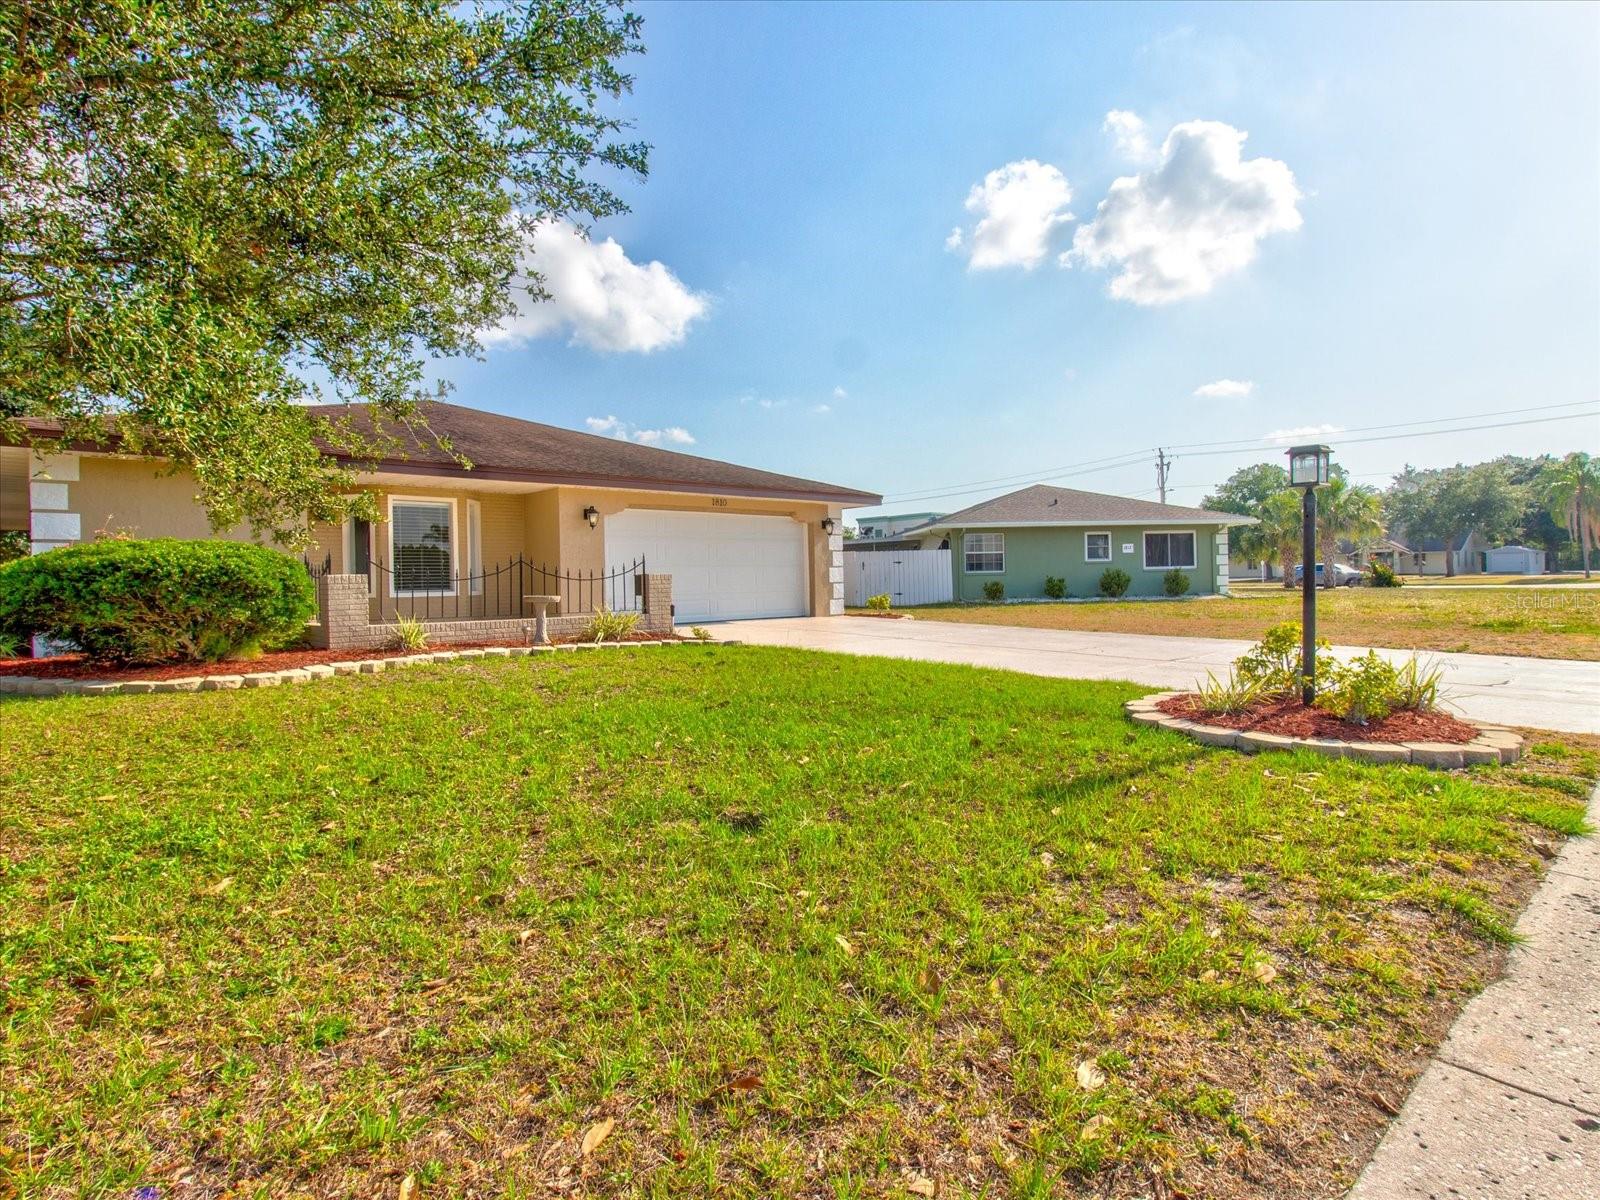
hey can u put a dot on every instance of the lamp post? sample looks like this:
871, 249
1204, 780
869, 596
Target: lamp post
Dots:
1308, 470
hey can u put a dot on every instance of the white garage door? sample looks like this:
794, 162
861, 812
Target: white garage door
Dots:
724, 566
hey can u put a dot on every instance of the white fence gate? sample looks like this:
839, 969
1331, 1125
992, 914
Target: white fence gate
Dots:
910, 576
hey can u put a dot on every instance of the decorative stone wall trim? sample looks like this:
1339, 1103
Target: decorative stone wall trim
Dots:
29, 685
1494, 743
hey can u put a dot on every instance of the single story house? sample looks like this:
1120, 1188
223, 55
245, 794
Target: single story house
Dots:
1429, 556
1024, 537
736, 541
892, 525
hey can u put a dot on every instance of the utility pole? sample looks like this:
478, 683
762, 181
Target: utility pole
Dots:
1163, 463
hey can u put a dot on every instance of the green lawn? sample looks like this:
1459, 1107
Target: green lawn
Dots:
799, 924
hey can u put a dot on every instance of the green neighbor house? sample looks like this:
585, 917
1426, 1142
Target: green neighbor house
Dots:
1021, 538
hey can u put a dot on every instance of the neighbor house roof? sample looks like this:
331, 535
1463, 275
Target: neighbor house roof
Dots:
509, 448
1042, 504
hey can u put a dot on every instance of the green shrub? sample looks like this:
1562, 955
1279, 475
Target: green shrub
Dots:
1114, 581
1234, 694
159, 600
700, 633
1055, 589
13, 544
1175, 583
1382, 575
880, 603
10, 645
1362, 691
1274, 661
608, 626
994, 590
1417, 686
410, 634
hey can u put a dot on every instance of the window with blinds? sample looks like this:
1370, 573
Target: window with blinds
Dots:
423, 561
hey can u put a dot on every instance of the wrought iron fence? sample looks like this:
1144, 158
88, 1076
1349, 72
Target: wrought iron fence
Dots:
429, 590
317, 569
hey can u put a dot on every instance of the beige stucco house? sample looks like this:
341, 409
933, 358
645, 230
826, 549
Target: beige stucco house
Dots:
736, 541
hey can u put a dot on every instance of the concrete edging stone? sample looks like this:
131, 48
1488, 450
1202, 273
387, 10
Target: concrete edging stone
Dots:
1494, 744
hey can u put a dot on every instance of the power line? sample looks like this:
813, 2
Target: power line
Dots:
964, 489
1245, 447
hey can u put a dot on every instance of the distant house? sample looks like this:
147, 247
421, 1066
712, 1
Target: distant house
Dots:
1428, 556
1020, 539
883, 533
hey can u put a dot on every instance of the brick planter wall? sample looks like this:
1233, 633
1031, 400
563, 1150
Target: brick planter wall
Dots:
342, 602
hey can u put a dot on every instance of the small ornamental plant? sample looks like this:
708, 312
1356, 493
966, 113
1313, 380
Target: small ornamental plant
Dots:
159, 600
1382, 575
609, 626
1055, 588
1114, 582
880, 603
994, 591
1175, 583
410, 634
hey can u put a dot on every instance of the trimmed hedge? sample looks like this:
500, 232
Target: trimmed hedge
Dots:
1175, 582
1114, 581
159, 600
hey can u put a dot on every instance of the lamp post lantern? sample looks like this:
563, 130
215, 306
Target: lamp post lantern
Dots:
1308, 470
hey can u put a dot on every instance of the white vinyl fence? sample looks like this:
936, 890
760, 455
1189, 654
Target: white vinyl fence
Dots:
910, 576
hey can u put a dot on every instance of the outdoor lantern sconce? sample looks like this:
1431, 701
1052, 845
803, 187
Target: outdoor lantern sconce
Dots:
1308, 470
592, 515
828, 526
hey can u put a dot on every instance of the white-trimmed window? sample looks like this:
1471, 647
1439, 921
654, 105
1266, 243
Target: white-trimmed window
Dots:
1169, 549
985, 553
1097, 547
422, 546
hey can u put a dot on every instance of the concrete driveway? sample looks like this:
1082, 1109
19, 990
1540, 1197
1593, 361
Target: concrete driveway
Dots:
1544, 693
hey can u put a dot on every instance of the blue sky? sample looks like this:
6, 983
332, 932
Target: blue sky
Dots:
1412, 234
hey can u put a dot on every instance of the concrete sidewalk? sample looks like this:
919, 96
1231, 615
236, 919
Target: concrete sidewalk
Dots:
1544, 693
1509, 1108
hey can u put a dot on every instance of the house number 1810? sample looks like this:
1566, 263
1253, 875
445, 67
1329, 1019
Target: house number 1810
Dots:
718, 502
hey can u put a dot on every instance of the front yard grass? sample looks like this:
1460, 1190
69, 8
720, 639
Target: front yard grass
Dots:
798, 924
1535, 623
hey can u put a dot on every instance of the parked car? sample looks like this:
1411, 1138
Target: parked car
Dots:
1343, 576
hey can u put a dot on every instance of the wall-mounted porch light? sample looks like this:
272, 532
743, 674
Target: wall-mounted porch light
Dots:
828, 526
592, 515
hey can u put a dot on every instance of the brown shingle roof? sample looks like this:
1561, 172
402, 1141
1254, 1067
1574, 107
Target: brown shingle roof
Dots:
501, 447
1042, 504
504, 447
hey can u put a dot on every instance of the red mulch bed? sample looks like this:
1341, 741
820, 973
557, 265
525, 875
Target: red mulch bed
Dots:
1289, 718
882, 616
75, 666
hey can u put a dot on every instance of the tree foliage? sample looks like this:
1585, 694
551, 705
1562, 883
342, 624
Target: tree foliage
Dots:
1571, 491
1349, 512
1452, 502
1245, 492
213, 211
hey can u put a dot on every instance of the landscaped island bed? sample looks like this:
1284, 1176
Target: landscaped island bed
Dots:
797, 924
1556, 623
1288, 717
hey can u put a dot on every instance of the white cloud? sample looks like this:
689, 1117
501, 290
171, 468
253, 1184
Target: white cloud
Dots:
1225, 389
1196, 216
1017, 206
769, 402
1301, 432
598, 295
840, 394
613, 427
1129, 131
822, 409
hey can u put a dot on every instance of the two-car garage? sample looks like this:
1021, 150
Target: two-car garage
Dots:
724, 566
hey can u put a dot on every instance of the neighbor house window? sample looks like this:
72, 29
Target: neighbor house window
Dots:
421, 533
1169, 549
985, 553
1097, 547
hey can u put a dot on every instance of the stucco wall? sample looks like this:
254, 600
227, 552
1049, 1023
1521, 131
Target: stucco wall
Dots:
545, 526
1032, 554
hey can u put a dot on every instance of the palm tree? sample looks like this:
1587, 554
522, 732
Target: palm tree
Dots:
1280, 529
1351, 512
1572, 493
